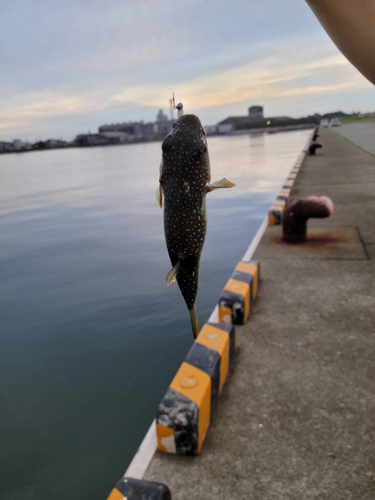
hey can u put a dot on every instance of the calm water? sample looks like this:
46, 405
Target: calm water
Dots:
90, 334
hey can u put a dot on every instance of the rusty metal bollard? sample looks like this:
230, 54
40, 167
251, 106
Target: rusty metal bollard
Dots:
299, 212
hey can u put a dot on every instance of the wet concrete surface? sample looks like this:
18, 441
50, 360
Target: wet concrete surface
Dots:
296, 419
334, 242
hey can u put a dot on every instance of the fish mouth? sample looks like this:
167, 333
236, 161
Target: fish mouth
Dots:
189, 119
187, 133
189, 124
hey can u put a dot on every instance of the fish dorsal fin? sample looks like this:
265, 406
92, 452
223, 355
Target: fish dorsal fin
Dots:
223, 183
172, 275
159, 196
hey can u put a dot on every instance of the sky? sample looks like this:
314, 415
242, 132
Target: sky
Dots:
68, 66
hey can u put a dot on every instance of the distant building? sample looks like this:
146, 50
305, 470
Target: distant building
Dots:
19, 145
121, 137
5, 146
95, 140
161, 117
256, 120
134, 129
211, 129
256, 112
226, 126
164, 127
55, 143
150, 130
163, 124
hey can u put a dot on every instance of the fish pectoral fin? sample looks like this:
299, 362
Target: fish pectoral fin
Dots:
223, 183
159, 196
172, 275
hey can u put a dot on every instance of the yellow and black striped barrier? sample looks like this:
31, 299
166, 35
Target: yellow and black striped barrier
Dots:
277, 209
279, 203
284, 194
185, 412
134, 489
288, 183
275, 213
239, 293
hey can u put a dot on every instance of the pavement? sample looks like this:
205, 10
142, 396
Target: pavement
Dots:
296, 419
362, 134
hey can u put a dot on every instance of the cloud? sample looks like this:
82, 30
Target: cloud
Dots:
323, 89
26, 109
293, 71
90, 62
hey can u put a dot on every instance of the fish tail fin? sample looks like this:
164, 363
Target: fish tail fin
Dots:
172, 275
194, 321
223, 183
159, 196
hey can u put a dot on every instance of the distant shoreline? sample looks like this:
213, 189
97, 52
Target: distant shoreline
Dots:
75, 146
264, 130
273, 130
37, 149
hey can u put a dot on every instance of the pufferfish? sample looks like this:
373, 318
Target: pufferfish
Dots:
184, 181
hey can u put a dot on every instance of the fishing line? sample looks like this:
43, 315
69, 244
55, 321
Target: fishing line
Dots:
170, 63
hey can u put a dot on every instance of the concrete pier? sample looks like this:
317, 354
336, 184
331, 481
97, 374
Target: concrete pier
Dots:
296, 419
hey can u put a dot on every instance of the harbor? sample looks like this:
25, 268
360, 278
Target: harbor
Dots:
128, 133
187, 250
295, 419
83, 256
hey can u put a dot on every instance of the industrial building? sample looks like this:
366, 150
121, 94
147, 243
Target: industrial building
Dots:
127, 132
256, 112
256, 120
